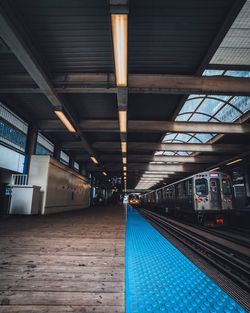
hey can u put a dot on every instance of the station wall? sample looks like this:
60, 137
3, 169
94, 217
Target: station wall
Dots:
11, 160
62, 189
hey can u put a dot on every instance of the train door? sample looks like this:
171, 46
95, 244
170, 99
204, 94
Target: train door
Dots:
215, 193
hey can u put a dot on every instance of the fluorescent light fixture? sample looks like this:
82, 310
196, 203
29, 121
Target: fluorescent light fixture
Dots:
233, 162
123, 121
159, 172
155, 175
120, 44
124, 167
124, 160
124, 174
149, 180
104, 173
63, 118
124, 146
214, 169
94, 160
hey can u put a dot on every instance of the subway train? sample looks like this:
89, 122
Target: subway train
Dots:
134, 200
205, 198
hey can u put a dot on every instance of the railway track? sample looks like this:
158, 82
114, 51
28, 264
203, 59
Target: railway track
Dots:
229, 261
240, 238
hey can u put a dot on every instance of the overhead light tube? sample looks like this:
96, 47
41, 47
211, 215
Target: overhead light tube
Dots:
124, 160
94, 160
63, 118
120, 44
214, 169
104, 173
123, 121
233, 162
124, 146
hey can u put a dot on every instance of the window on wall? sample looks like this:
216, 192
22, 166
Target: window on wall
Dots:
64, 158
44, 146
13, 130
76, 166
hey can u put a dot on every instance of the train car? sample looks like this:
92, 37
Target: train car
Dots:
134, 200
205, 197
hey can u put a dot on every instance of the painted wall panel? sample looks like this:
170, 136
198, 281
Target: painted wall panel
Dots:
62, 188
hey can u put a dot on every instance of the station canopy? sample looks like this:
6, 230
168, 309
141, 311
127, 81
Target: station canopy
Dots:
149, 91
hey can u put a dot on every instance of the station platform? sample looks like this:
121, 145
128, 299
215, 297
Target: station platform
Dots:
67, 262
159, 278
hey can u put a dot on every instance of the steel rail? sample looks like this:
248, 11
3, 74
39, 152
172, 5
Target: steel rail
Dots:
230, 237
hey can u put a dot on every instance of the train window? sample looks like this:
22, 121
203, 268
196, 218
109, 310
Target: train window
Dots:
213, 185
226, 187
201, 187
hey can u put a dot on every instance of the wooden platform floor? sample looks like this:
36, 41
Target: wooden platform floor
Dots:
69, 262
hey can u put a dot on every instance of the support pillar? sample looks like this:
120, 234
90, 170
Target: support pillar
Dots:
30, 148
57, 151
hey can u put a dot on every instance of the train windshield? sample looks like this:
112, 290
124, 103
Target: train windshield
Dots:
201, 187
226, 187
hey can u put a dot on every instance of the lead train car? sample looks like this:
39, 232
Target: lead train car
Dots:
206, 197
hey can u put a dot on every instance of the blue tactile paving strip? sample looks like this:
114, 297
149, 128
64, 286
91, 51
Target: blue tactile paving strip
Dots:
159, 278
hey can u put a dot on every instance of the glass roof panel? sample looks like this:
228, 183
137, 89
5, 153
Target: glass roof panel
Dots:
183, 153
228, 114
241, 103
237, 73
168, 153
198, 117
210, 106
183, 117
212, 72
158, 152
194, 96
194, 140
213, 120
204, 137
191, 105
169, 136
183, 137
222, 97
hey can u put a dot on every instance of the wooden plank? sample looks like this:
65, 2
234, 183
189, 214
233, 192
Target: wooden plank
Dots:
64, 261
51, 285
62, 298
60, 309
103, 275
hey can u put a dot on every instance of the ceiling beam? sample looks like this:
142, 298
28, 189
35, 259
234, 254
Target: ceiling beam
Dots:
189, 84
133, 167
187, 159
150, 126
158, 158
18, 41
148, 146
137, 83
186, 127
